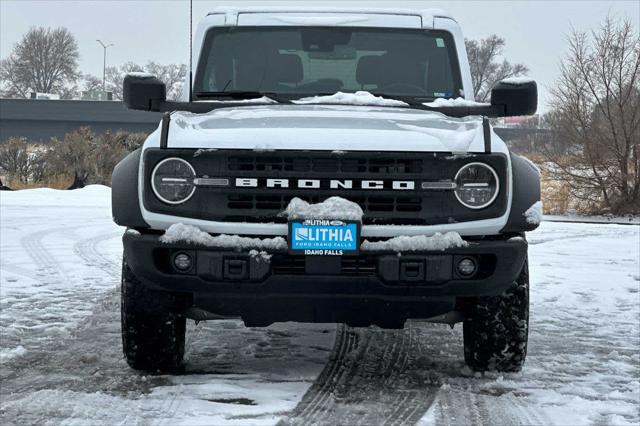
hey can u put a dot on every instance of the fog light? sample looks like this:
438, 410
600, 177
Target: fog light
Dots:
466, 267
182, 261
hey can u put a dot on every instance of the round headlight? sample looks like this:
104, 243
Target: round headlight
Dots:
477, 185
172, 180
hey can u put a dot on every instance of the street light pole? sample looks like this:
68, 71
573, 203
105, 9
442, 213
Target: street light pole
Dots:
104, 65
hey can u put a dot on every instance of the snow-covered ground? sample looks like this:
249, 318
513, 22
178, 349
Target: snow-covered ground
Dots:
61, 358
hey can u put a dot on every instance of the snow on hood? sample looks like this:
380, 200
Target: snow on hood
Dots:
327, 128
457, 102
359, 98
260, 100
331, 208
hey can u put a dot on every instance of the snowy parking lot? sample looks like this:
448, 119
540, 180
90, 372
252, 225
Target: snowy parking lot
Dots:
61, 359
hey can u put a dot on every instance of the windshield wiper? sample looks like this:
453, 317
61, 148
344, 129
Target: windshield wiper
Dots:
240, 94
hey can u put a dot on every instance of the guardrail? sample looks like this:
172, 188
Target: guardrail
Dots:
40, 120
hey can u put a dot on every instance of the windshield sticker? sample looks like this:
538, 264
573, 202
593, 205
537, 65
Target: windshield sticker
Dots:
439, 42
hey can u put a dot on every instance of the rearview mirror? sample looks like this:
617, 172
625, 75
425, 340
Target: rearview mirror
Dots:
518, 96
142, 91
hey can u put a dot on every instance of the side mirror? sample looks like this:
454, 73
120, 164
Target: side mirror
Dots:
517, 96
143, 91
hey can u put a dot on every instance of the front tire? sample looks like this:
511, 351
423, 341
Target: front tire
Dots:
153, 326
496, 330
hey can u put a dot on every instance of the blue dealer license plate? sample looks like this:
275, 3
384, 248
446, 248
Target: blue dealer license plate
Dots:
324, 237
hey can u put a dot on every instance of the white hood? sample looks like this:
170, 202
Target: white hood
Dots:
326, 127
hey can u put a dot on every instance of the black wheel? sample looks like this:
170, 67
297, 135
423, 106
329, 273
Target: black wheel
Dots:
496, 330
153, 326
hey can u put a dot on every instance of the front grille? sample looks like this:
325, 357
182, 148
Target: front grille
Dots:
358, 266
386, 206
262, 206
335, 164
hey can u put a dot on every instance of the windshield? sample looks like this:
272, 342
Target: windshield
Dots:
294, 62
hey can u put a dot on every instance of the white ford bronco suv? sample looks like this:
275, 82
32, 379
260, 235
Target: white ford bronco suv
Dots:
326, 165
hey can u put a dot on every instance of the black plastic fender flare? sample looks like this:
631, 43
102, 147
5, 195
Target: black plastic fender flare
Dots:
125, 206
526, 192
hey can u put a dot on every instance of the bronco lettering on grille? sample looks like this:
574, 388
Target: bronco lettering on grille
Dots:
398, 185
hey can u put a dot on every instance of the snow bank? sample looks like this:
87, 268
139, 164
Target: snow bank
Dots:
89, 196
331, 208
437, 241
533, 215
457, 102
516, 80
179, 232
361, 97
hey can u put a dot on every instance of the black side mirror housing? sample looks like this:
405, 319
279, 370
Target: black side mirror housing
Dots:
143, 91
516, 96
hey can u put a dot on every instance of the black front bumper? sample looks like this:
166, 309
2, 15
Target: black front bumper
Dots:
383, 288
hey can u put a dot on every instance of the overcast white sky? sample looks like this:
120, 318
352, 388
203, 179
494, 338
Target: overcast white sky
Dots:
144, 30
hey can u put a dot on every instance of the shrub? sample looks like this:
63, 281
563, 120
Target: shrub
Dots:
22, 162
79, 159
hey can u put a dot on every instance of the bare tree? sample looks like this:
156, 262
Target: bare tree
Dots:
115, 77
486, 68
72, 156
91, 83
45, 60
173, 75
14, 159
109, 149
596, 118
22, 162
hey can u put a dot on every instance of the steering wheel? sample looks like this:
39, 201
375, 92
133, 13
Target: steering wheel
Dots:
412, 88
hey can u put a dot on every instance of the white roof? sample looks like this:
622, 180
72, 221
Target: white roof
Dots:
425, 14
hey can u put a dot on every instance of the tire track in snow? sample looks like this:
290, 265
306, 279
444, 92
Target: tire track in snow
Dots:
172, 403
369, 380
87, 250
528, 415
468, 407
44, 260
65, 295
318, 395
394, 377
